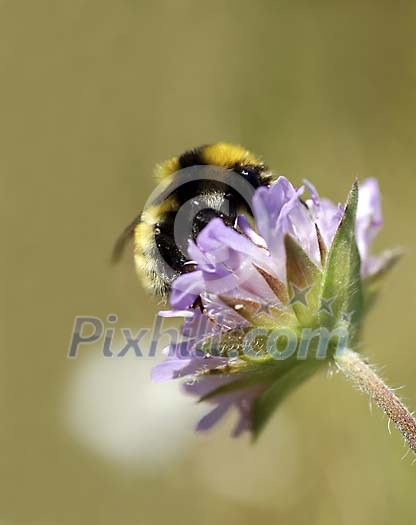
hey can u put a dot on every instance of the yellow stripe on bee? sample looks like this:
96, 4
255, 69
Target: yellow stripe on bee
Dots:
166, 169
220, 154
227, 155
155, 213
144, 267
143, 237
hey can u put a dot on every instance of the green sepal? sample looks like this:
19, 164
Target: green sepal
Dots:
247, 379
342, 274
302, 273
266, 404
260, 372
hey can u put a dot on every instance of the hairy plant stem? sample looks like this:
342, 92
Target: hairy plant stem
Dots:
356, 370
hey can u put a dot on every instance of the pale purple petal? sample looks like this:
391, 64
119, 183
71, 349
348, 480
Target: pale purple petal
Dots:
369, 219
246, 228
186, 289
278, 211
210, 419
175, 313
169, 369
329, 218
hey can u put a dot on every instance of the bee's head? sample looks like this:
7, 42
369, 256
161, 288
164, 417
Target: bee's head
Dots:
232, 157
224, 155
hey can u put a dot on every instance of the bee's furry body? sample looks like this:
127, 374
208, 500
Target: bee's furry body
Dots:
156, 250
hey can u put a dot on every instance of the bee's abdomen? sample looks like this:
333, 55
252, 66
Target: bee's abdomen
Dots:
158, 262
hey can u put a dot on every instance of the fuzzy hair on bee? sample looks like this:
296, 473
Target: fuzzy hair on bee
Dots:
158, 258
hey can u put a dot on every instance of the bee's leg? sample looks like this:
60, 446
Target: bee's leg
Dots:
166, 245
199, 304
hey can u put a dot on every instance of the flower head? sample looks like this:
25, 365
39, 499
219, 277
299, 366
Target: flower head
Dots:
278, 298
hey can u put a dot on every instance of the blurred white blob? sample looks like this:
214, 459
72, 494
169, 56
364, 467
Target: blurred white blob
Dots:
113, 409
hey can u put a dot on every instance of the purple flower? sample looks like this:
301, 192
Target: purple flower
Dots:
268, 276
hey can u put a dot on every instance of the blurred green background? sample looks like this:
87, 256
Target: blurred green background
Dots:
93, 94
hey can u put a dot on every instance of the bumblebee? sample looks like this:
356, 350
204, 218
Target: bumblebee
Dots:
214, 180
